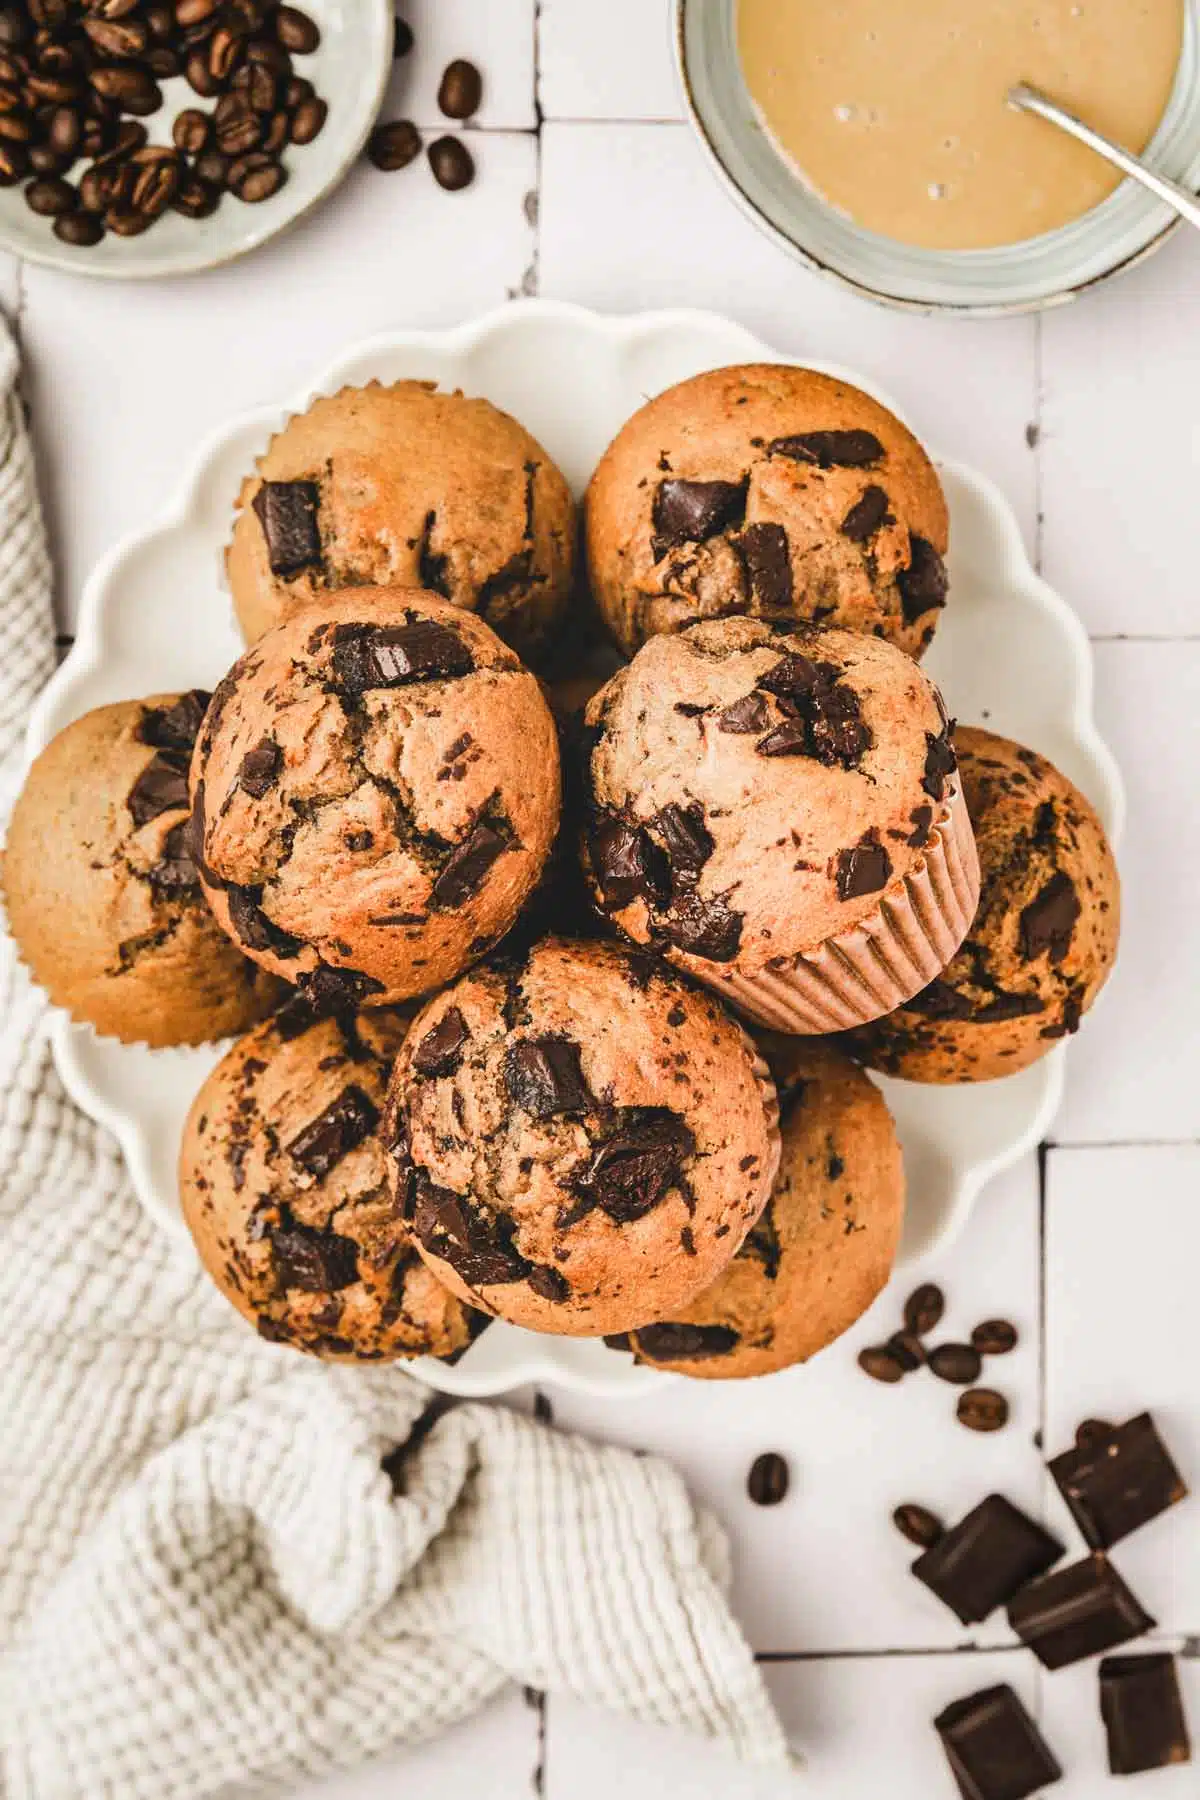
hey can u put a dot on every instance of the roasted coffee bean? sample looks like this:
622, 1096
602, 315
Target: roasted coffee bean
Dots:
297, 90
308, 120
918, 1525
238, 127
452, 164
995, 1337
12, 72
164, 64
14, 27
394, 146
276, 136
881, 1364
51, 196
296, 31
195, 12
256, 177
16, 128
959, 1363
132, 88
767, 1482
267, 54
118, 38
192, 131
194, 198
156, 178
259, 85
924, 1308
123, 221
53, 88
199, 76
14, 163
160, 22
96, 189
44, 161
225, 52
402, 41
64, 131
213, 167
129, 136
11, 100
460, 90
982, 1409
908, 1350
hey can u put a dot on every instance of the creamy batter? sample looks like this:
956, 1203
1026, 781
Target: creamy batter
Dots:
895, 111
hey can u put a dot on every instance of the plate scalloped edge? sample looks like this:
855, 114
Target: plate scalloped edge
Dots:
673, 343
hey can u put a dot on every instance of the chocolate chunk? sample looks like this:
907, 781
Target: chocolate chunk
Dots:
345, 1123
958, 1363
939, 1001
982, 1409
1048, 922
631, 1171
980, 1563
745, 717
1118, 1481
161, 787
1076, 1612
940, 761
922, 819
468, 865
688, 512
175, 872
175, 727
830, 449
440, 1050
867, 516
762, 1241
543, 1076
628, 864
924, 584
1142, 1710
881, 1363
287, 512
366, 657
260, 767
337, 990
548, 1284
767, 1482
814, 698
863, 870
688, 842
480, 1250
318, 1261
768, 561
918, 1525
994, 1749
924, 1308
618, 1340
254, 928
671, 1342
702, 927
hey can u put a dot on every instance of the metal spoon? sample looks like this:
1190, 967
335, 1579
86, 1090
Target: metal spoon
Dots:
1031, 99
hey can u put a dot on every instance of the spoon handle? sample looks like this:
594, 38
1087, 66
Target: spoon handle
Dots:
1030, 99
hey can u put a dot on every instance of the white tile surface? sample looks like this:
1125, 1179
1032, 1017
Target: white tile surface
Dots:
496, 35
1070, 1700
827, 1570
1132, 1071
613, 61
492, 1756
1122, 1250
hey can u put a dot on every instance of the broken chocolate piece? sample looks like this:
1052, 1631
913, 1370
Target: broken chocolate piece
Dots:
252, 926
940, 761
175, 871
543, 1076
440, 1050
468, 865
994, 1749
366, 657
161, 787
1048, 923
980, 1563
287, 512
1142, 1710
175, 727
688, 512
345, 1123
260, 767
830, 449
672, 1342
629, 1173
867, 516
865, 869
1118, 1480
822, 713
317, 1261
628, 864
705, 928
745, 717
768, 561
924, 584
1076, 1612
479, 1250
548, 1284
688, 842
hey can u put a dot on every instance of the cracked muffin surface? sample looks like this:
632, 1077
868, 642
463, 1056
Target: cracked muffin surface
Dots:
376, 790
579, 1139
768, 490
401, 485
1043, 941
825, 1243
284, 1188
102, 894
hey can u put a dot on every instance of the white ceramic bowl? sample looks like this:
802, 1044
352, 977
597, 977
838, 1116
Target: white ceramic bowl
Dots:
1009, 653
350, 71
1042, 271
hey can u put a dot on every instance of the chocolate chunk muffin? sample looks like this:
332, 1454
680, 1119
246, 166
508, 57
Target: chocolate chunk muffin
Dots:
102, 894
824, 1246
376, 789
780, 815
284, 1188
1042, 943
773, 491
579, 1139
403, 486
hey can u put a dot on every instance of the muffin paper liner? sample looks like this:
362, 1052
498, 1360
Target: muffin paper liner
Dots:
877, 965
770, 1100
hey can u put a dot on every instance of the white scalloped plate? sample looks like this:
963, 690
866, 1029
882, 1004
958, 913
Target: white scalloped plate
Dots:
1009, 653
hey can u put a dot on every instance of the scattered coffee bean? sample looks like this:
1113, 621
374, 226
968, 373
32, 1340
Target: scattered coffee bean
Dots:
80, 229
767, 1483
995, 1337
402, 43
192, 131
256, 177
959, 1363
394, 145
982, 1409
296, 31
1090, 1432
908, 1350
918, 1525
308, 120
881, 1364
461, 90
452, 164
51, 197
196, 199
924, 1308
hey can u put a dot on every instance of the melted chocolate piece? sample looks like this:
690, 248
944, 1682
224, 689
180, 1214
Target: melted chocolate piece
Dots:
867, 516
745, 717
287, 512
924, 584
702, 927
940, 1001
548, 1284
677, 1342
260, 767
1076, 1612
823, 716
768, 561
161, 787
688, 842
175, 727
366, 657
479, 1250
994, 1749
318, 1261
346, 1123
980, 1563
1047, 924
252, 926
863, 870
940, 761
1118, 1481
830, 449
338, 990
543, 1076
1142, 1710
630, 1173
175, 872
468, 865
688, 512
922, 819
762, 1242
628, 864
440, 1050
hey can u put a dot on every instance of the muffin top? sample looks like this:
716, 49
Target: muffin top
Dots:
102, 894
284, 1189
376, 789
580, 1139
1044, 938
769, 490
753, 793
403, 486
825, 1244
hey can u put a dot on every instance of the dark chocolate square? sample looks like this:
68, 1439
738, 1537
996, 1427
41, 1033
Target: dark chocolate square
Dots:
995, 1750
1116, 1483
980, 1563
1142, 1710
1076, 1612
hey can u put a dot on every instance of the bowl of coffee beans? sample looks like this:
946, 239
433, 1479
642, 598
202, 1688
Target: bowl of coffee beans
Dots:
155, 137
